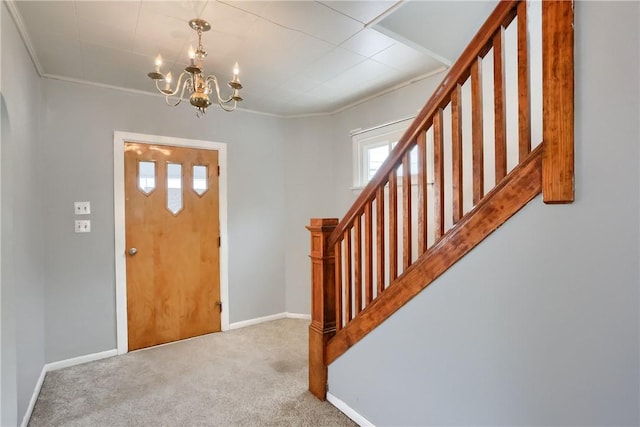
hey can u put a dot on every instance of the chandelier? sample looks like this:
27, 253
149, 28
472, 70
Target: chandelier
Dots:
199, 86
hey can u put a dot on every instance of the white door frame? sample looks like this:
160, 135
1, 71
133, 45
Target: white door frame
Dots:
119, 139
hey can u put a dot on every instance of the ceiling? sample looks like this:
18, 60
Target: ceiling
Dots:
296, 57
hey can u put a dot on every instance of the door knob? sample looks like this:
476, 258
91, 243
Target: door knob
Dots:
132, 251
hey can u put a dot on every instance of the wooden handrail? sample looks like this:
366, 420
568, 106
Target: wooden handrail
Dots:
502, 15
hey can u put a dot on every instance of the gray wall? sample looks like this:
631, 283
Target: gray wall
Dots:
309, 192
78, 148
22, 232
538, 325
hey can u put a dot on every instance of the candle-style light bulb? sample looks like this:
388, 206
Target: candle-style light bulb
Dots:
236, 70
167, 81
158, 63
192, 55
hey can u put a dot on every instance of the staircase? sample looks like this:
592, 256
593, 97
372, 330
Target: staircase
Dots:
408, 227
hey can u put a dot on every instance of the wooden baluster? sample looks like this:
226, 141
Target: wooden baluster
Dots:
393, 225
524, 107
477, 145
380, 260
323, 314
438, 174
456, 153
499, 103
368, 253
338, 270
557, 102
422, 193
357, 260
406, 211
347, 276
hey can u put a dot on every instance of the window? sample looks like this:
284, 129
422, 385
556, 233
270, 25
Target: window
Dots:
372, 147
174, 187
146, 176
200, 179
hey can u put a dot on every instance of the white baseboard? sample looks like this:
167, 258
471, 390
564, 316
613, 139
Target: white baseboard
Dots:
298, 316
348, 411
258, 320
34, 397
59, 365
80, 360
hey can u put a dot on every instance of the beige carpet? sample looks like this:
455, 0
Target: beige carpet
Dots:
255, 376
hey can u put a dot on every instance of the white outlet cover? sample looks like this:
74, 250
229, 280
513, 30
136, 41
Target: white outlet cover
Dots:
82, 226
82, 208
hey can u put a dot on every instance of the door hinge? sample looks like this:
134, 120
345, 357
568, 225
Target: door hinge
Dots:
219, 241
218, 170
219, 304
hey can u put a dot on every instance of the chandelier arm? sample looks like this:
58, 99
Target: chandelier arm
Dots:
170, 103
158, 87
187, 82
221, 101
171, 92
181, 97
235, 103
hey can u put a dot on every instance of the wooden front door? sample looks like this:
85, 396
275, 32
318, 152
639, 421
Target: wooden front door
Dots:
172, 243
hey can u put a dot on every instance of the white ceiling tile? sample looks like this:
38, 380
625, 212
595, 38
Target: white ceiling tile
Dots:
227, 19
272, 105
55, 16
301, 83
57, 50
107, 34
333, 63
326, 24
363, 11
184, 10
119, 14
367, 71
368, 42
65, 62
255, 7
53, 38
402, 57
160, 34
139, 80
265, 34
109, 66
306, 49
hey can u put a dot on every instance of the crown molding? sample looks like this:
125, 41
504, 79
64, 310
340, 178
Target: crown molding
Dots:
22, 29
247, 110
392, 89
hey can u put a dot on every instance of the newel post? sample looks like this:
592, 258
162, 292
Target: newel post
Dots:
323, 310
557, 102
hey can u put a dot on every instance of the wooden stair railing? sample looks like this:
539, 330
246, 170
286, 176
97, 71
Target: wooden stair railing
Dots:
364, 268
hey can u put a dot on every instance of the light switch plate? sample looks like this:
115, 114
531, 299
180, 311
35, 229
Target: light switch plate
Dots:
83, 226
82, 208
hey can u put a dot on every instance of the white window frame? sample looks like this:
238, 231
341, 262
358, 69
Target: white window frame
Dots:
377, 136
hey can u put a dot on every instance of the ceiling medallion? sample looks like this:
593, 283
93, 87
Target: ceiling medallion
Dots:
199, 86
